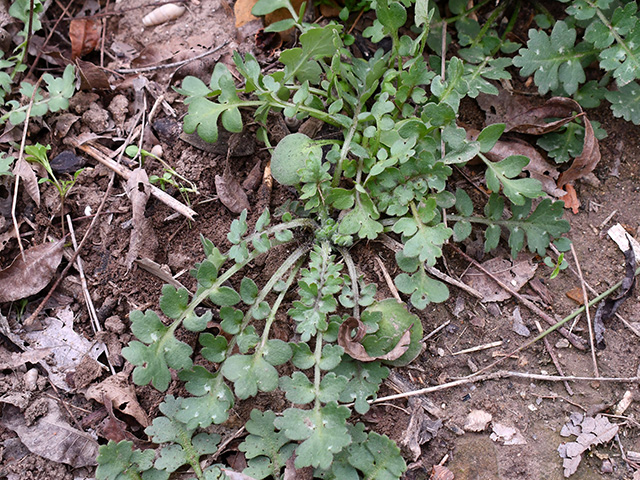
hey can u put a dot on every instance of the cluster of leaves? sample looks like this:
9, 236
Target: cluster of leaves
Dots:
388, 174
603, 31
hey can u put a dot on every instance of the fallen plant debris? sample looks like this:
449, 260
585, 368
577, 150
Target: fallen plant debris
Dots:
31, 271
590, 431
609, 306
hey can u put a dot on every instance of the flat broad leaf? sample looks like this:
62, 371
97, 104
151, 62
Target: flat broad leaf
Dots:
553, 59
323, 430
504, 173
250, 373
162, 351
28, 275
378, 458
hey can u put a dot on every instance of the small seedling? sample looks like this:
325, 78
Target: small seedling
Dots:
169, 175
38, 154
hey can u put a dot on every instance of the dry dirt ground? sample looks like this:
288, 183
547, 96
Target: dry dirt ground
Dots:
537, 409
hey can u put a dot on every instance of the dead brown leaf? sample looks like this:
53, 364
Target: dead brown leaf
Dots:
121, 395
230, 191
515, 274
571, 198
588, 159
92, 77
29, 274
253, 179
84, 34
533, 121
142, 235
242, 11
23, 170
52, 437
518, 116
355, 349
153, 54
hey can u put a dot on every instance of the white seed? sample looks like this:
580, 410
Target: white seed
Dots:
163, 14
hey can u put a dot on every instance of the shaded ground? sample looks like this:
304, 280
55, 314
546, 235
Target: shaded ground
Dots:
537, 409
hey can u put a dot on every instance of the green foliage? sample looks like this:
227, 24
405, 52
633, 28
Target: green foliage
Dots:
388, 173
38, 154
603, 30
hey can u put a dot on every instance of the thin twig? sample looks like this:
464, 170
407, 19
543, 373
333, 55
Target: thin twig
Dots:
574, 339
503, 374
46, 41
434, 331
124, 172
34, 316
396, 246
93, 315
478, 348
585, 298
174, 64
554, 357
23, 142
388, 279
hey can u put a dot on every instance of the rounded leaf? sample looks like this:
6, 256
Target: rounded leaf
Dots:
290, 155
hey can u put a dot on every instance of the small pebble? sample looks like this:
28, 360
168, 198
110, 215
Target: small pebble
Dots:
562, 343
67, 162
31, 379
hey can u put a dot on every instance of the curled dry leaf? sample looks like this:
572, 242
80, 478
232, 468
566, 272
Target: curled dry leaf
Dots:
514, 113
29, 274
588, 159
23, 170
230, 191
533, 121
571, 199
84, 34
121, 395
142, 235
355, 349
440, 472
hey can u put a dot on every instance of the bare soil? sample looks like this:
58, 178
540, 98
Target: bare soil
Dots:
537, 409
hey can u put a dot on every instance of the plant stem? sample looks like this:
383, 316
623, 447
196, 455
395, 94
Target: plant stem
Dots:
337, 174
571, 316
296, 257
